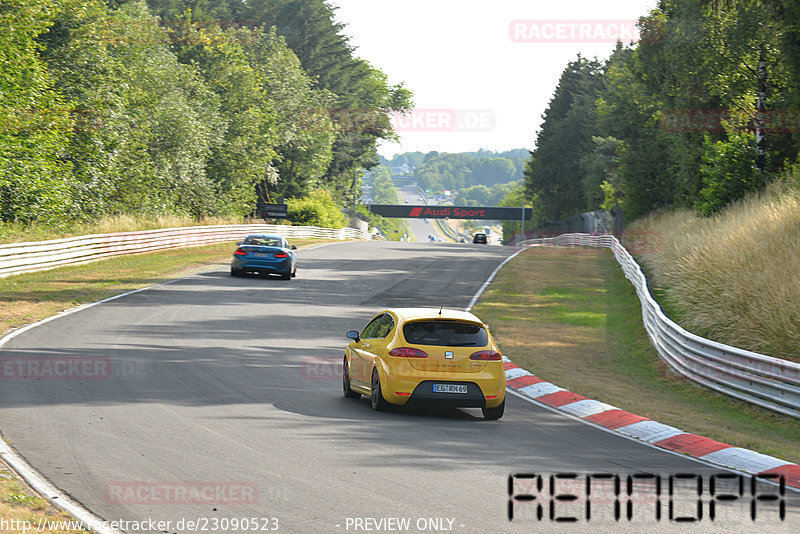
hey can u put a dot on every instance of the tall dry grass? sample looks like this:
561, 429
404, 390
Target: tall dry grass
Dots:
15, 233
733, 277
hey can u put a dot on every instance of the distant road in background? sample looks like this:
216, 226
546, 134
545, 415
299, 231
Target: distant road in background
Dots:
422, 229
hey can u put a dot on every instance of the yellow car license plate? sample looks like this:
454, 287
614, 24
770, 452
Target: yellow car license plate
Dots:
449, 388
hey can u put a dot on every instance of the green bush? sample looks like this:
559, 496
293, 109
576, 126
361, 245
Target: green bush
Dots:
728, 171
317, 208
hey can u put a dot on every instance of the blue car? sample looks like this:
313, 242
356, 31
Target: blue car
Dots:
265, 254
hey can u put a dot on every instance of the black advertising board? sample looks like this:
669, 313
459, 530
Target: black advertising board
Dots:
406, 211
273, 211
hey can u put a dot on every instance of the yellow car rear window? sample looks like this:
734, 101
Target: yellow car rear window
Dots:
445, 333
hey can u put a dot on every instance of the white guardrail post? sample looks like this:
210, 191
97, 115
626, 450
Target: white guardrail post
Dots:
766, 381
18, 258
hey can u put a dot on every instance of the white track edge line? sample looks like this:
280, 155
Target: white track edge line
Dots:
46, 489
29, 473
488, 281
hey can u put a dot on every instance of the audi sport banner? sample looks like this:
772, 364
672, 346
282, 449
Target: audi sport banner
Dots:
406, 211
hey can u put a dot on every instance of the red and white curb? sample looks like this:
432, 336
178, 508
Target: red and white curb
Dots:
647, 430
634, 426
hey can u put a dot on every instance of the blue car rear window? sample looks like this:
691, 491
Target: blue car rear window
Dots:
445, 333
263, 241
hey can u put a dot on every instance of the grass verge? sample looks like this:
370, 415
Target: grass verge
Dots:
21, 507
30, 297
733, 277
571, 317
15, 233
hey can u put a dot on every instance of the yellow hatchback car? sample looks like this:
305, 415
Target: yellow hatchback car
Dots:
407, 356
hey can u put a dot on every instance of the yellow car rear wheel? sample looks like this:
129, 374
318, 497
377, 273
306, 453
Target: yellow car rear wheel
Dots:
494, 413
376, 396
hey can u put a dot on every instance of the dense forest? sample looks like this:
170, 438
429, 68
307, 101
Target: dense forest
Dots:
190, 107
481, 178
702, 110
200, 108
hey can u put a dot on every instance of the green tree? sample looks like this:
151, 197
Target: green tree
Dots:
728, 171
709, 60
108, 151
304, 130
182, 115
600, 173
317, 208
553, 174
411, 159
148, 124
629, 110
383, 191
491, 171
482, 195
364, 100
238, 78
346, 115
35, 122
516, 197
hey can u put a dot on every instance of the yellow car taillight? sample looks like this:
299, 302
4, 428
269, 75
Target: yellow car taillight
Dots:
408, 352
486, 356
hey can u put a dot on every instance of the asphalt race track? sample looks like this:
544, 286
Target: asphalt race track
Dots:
217, 398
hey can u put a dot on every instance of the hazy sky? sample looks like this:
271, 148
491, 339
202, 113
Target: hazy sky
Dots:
482, 72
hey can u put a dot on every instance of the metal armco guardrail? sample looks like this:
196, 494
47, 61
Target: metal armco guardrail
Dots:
18, 258
766, 381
